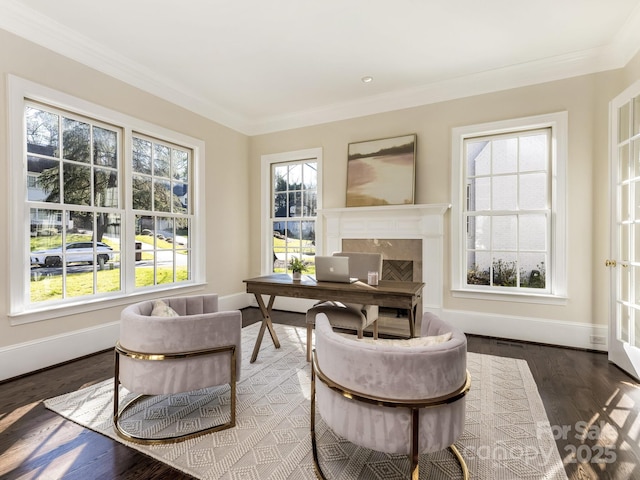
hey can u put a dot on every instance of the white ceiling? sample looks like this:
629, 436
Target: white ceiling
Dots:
265, 65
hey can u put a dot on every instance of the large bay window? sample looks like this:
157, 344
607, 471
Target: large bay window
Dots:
100, 210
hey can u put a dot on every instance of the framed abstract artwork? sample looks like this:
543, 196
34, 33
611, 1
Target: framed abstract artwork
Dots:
381, 172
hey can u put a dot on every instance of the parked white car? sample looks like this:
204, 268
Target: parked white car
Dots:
75, 252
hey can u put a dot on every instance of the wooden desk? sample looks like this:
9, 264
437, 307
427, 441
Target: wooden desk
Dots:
387, 293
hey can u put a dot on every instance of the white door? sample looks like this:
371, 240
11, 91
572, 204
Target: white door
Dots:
624, 263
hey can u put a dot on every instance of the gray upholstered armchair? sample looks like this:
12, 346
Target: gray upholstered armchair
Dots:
349, 316
394, 396
176, 345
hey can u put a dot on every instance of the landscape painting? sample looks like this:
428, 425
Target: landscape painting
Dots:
381, 172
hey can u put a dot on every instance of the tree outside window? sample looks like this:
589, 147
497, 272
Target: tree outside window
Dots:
294, 210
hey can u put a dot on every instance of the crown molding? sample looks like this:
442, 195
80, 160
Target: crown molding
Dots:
33, 26
44, 31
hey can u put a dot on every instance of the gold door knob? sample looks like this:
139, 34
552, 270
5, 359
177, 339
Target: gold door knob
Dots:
610, 263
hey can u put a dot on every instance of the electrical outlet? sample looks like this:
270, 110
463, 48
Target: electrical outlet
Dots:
598, 339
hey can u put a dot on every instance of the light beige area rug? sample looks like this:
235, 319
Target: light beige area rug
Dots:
507, 434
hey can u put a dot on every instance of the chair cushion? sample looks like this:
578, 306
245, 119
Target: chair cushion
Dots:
161, 309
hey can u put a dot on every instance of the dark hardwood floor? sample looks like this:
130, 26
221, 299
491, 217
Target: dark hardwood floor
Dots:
593, 407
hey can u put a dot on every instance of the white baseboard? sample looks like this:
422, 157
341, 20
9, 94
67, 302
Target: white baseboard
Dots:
552, 332
36, 354
27, 357
30, 356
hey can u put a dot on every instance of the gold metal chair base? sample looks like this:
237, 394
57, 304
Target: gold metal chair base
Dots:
118, 412
414, 406
122, 433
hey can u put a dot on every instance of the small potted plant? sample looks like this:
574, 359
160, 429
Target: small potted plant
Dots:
297, 266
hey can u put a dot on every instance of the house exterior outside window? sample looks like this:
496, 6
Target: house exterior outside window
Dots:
508, 212
100, 210
292, 191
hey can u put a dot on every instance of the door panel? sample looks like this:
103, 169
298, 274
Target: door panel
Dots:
624, 322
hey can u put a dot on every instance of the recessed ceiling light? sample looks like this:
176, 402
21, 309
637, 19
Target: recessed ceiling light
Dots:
367, 79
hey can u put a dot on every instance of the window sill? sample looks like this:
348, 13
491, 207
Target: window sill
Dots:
542, 299
89, 305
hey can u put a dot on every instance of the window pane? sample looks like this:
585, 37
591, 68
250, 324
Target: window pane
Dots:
77, 183
532, 270
183, 272
636, 247
45, 223
280, 205
182, 232
479, 270
533, 191
533, 232
636, 116
505, 270
180, 197
105, 147
480, 194
624, 251
76, 140
636, 188
310, 204
42, 132
504, 233
295, 204
161, 196
310, 174
141, 192
280, 178
164, 233
623, 123
533, 153
141, 156
479, 232
180, 165
295, 177
161, 158
626, 167
45, 186
45, 286
504, 192
293, 233
105, 188
478, 158
505, 156
634, 161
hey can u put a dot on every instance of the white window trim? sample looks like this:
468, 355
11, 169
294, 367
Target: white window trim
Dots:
558, 122
266, 257
17, 90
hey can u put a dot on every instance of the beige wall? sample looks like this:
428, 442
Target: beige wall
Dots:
233, 175
226, 172
585, 98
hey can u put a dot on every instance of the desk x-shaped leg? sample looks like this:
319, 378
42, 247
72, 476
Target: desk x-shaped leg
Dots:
266, 323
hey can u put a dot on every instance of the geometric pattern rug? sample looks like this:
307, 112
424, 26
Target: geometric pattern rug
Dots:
507, 433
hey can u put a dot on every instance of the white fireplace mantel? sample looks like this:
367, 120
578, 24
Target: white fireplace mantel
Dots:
424, 222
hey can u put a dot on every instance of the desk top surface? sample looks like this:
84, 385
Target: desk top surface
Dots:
284, 280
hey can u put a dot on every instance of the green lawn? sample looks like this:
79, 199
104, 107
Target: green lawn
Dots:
79, 284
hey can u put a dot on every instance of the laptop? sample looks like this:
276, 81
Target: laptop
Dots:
333, 269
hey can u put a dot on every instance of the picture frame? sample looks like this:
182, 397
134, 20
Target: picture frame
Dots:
381, 172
